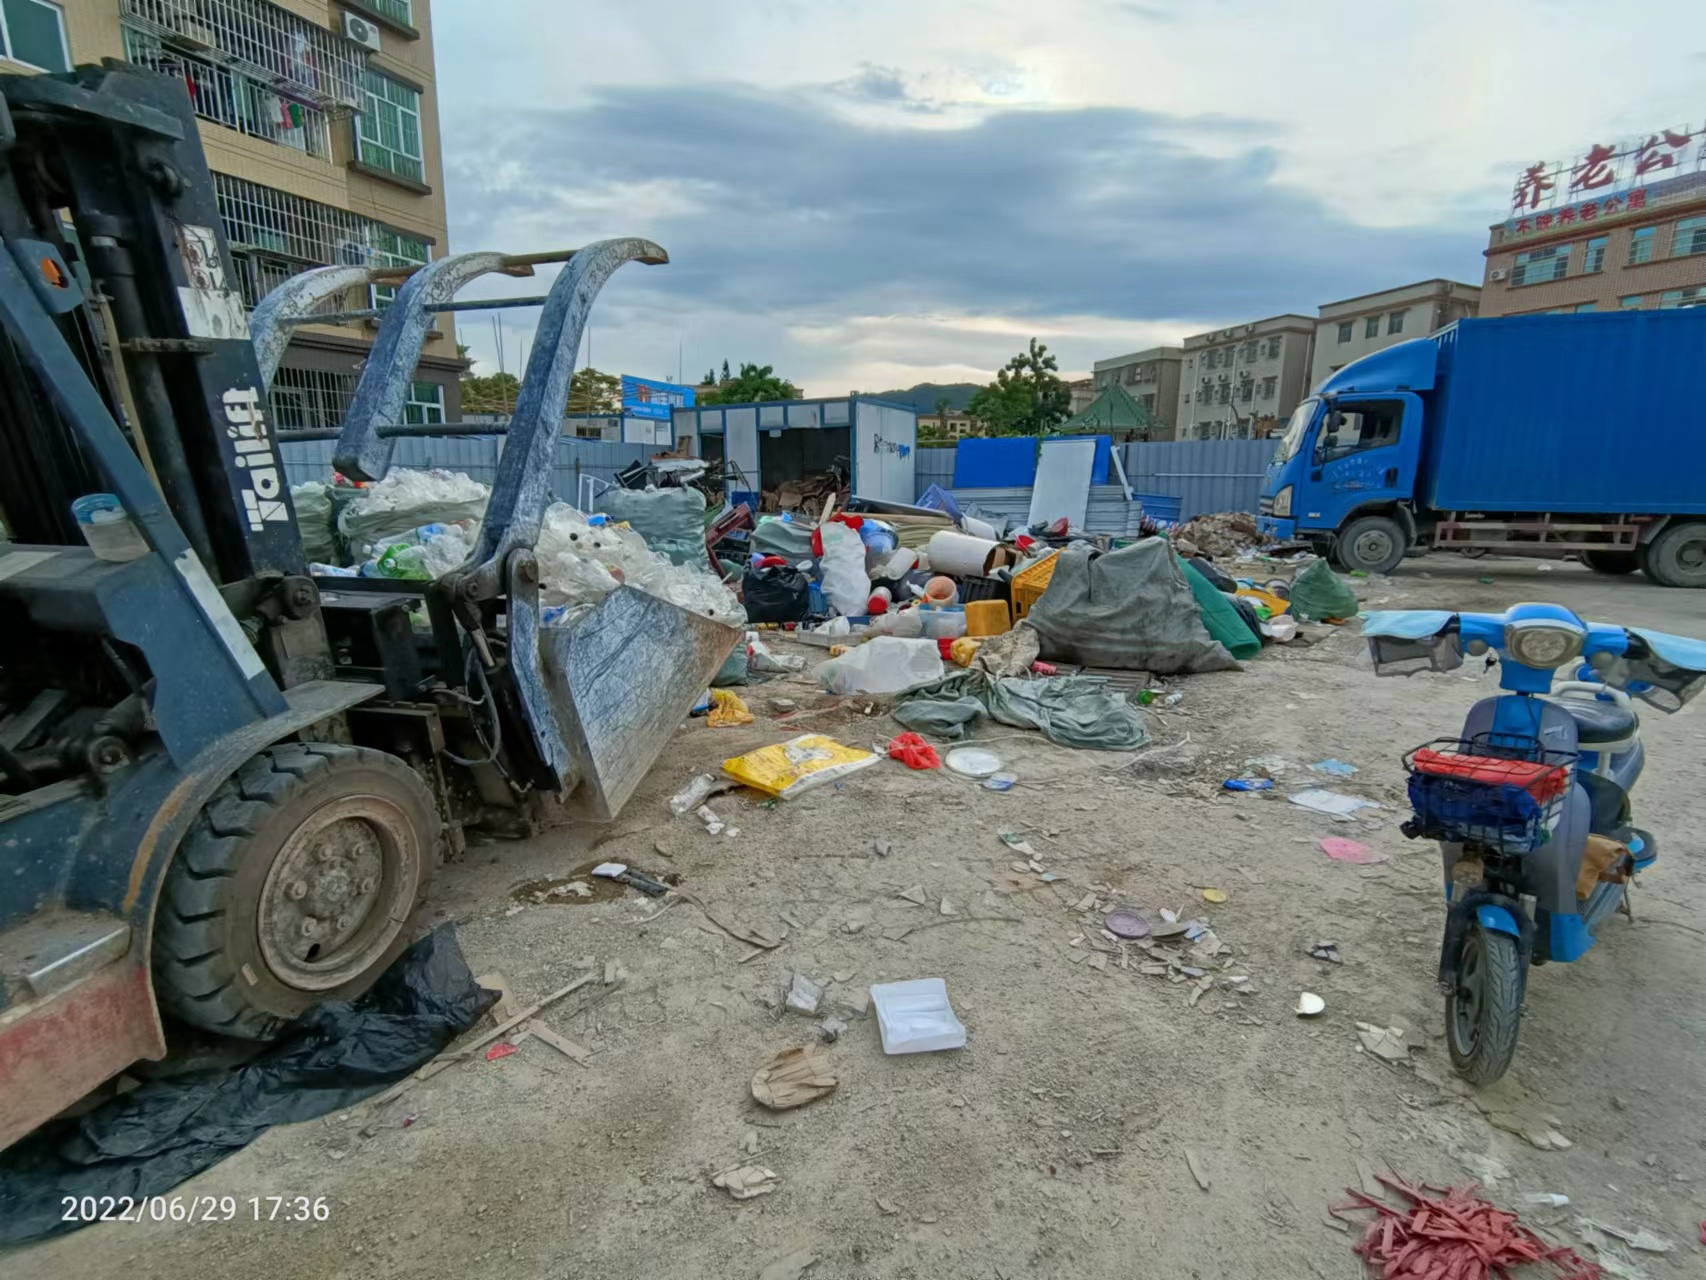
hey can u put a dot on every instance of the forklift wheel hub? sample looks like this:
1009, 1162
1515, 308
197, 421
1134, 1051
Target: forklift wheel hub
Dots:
337, 892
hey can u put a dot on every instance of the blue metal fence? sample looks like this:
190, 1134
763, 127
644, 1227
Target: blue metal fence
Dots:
1204, 475
475, 456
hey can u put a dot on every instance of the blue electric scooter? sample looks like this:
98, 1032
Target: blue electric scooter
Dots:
1537, 785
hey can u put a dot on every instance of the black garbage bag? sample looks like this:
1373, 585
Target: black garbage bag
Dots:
780, 593
148, 1141
1218, 580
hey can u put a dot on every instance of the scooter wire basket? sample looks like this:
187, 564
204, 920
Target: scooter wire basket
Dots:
1500, 792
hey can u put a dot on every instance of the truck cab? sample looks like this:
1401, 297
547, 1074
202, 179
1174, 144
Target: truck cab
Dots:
1343, 477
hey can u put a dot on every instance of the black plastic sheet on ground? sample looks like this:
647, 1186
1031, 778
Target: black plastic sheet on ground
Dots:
148, 1141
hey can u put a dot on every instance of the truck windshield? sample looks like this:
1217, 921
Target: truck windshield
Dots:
1296, 429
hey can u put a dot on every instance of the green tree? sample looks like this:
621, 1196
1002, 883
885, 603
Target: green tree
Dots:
725, 376
710, 378
493, 393
754, 382
591, 391
1027, 396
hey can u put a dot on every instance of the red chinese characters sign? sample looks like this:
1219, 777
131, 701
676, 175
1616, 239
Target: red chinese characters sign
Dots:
1606, 169
1584, 213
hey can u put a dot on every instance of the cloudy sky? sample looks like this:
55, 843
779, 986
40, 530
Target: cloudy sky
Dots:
873, 193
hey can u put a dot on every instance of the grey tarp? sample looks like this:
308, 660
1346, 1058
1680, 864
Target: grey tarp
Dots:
1074, 711
1130, 609
672, 521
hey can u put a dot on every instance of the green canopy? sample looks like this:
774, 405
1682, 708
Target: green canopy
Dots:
1113, 410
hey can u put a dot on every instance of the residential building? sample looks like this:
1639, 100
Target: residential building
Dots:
1083, 393
1152, 379
955, 424
1623, 229
319, 119
1242, 382
1353, 328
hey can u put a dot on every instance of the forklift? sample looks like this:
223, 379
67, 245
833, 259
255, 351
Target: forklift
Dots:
225, 783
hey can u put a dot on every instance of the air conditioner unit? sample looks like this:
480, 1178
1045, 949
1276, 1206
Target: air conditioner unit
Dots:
360, 30
1498, 273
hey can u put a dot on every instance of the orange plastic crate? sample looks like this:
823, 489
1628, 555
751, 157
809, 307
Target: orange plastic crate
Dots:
1029, 584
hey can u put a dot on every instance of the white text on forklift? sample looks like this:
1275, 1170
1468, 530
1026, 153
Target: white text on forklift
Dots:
247, 427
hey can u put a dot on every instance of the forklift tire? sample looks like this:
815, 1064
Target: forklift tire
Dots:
1677, 557
1612, 563
1371, 544
295, 885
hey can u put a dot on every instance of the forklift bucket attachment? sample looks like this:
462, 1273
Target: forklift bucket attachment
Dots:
621, 677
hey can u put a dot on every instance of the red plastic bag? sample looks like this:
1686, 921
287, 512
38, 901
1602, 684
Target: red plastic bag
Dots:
913, 752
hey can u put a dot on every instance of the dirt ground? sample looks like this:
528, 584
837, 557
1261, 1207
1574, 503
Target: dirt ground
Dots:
1060, 1140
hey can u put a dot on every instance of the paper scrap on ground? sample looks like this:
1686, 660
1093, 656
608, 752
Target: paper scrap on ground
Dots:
1338, 768
747, 1181
793, 1078
1340, 849
1388, 1043
1334, 803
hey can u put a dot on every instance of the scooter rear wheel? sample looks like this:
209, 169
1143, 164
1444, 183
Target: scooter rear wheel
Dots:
1483, 1012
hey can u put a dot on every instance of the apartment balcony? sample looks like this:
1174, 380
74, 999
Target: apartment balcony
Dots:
233, 99
263, 42
274, 234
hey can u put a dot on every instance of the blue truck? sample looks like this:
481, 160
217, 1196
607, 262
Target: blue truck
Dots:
1543, 436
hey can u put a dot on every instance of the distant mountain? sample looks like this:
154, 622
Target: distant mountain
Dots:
923, 397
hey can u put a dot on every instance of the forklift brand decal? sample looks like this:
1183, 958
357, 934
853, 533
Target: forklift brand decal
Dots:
263, 483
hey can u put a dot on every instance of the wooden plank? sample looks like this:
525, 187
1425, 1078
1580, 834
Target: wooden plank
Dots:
562, 1044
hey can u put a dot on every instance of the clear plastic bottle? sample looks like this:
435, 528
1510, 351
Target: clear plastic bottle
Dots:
107, 527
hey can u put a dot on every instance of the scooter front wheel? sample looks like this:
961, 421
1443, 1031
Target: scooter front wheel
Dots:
1483, 1011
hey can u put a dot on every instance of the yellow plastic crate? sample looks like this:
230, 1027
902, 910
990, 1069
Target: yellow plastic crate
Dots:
1029, 584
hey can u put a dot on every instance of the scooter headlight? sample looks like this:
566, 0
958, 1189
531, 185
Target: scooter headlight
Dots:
1282, 503
1542, 645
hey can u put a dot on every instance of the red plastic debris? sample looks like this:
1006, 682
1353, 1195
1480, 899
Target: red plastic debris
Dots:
945, 647
913, 752
1450, 1233
502, 1049
1044, 669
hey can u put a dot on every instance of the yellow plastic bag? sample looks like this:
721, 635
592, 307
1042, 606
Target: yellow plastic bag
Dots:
1276, 605
788, 768
965, 649
727, 710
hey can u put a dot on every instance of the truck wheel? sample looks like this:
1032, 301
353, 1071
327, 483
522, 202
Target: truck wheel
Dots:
295, 885
1370, 544
1613, 563
1484, 1010
1677, 557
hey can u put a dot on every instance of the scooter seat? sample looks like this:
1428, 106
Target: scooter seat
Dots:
1598, 721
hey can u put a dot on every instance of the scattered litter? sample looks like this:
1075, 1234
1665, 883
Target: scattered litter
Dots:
790, 1267
1338, 768
793, 1078
713, 824
1389, 1044
1309, 1004
1334, 803
831, 1029
915, 1017
696, 792
1214, 895
1328, 951
1099, 961
727, 710
1000, 782
1016, 842
1340, 849
1645, 1241
914, 895
747, 1181
502, 1049
973, 762
1248, 784
1195, 1166
749, 1142
1452, 1231
562, 1044
1544, 1199
1269, 766
804, 995
913, 752
785, 769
